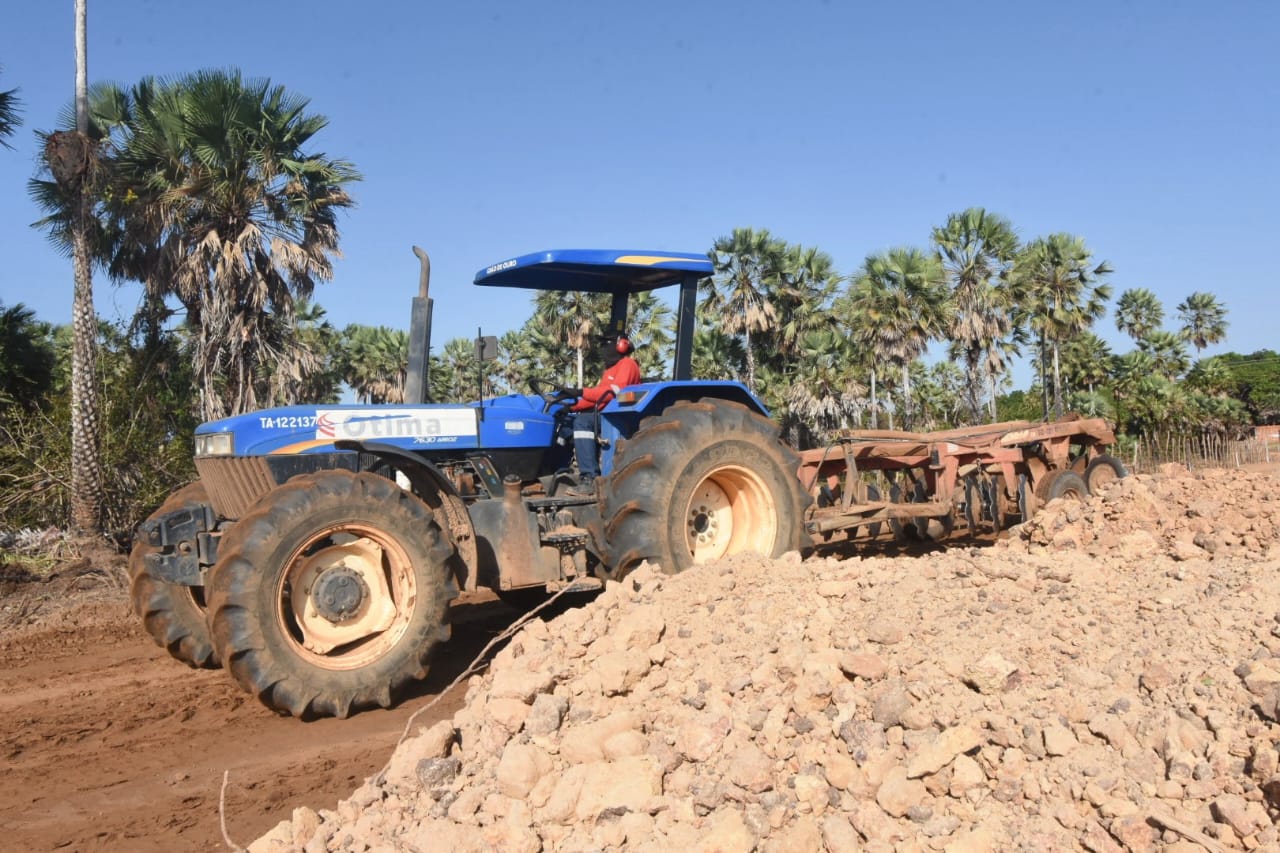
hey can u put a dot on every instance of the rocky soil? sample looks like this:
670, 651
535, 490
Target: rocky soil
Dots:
1106, 679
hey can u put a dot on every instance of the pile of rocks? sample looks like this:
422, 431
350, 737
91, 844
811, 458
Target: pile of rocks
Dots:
1030, 696
1211, 515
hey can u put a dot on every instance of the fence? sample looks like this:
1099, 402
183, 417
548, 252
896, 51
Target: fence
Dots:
1147, 454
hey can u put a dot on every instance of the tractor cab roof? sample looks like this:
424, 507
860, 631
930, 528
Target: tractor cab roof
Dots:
613, 271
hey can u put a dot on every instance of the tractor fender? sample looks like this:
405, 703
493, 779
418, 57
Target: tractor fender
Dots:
621, 417
435, 490
659, 396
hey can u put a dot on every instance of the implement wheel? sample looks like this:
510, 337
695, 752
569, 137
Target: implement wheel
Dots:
1102, 470
1063, 483
701, 481
331, 594
174, 615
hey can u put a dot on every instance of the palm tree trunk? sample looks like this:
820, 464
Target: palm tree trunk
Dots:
994, 414
86, 457
973, 383
581, 383
875, 406
1044, 380
906, 396
751, 362
1057, 383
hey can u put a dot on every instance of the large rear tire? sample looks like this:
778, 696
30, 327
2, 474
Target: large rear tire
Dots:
331, 594
701, 481
174, 615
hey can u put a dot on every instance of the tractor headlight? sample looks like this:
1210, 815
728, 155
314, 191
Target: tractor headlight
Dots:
215, 444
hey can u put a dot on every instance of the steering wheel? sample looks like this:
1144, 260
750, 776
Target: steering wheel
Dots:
551, 394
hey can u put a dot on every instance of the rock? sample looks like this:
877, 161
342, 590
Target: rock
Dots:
890, 706
520, 769
431, 743
897, 793
869, 666
626, 784
727, 833
990, 674
838, 833
945, 747
885, 631
749, 768
546, 715
1059, 740
1235, 811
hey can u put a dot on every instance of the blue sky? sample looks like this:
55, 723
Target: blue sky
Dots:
491, 129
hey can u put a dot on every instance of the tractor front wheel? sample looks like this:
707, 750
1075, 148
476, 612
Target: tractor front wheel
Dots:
331, 594
701, 481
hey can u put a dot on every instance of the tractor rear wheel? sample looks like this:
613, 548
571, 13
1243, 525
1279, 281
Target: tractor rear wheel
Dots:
700, 481
174, 615
331, 594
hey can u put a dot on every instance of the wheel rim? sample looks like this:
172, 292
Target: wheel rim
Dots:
730, 510
1101, 475
366, 558
1072, 493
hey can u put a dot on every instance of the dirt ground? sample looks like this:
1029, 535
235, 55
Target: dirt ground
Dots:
110, 744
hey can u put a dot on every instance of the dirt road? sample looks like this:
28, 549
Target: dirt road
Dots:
109, 744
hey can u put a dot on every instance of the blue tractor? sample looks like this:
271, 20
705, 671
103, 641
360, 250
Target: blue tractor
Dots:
317, 554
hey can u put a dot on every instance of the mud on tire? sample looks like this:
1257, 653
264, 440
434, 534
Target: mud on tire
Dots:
338, 532
702, 480
174, 615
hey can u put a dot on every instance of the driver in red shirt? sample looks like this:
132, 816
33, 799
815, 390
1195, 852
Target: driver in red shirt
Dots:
620, 370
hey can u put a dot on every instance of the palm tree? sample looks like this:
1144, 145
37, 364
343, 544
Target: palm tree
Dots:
898, 303
308, 371
375, 362
26, 357
1086, 362
1138, 313
1168, 353
1204, 320
9, 117
214, 201
455, 371
801, 296
1131, 376
717, 355
1212, 376
571, 318
650, 325
72, 159
1064, 294
825, 394
746, 263
978, 250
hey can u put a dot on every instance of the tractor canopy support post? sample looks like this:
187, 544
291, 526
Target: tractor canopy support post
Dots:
618, 313
683, 366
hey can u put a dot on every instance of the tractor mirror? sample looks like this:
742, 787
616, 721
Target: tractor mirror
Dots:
486, 348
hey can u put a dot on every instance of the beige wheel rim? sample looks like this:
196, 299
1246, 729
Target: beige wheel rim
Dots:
1101, 475
731, 510
386, 605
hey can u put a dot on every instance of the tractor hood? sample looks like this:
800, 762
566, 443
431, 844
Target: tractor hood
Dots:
513, 421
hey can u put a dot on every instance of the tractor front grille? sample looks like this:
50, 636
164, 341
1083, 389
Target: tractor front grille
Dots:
234, 483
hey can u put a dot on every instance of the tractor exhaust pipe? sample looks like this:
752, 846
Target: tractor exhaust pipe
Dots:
417, 385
